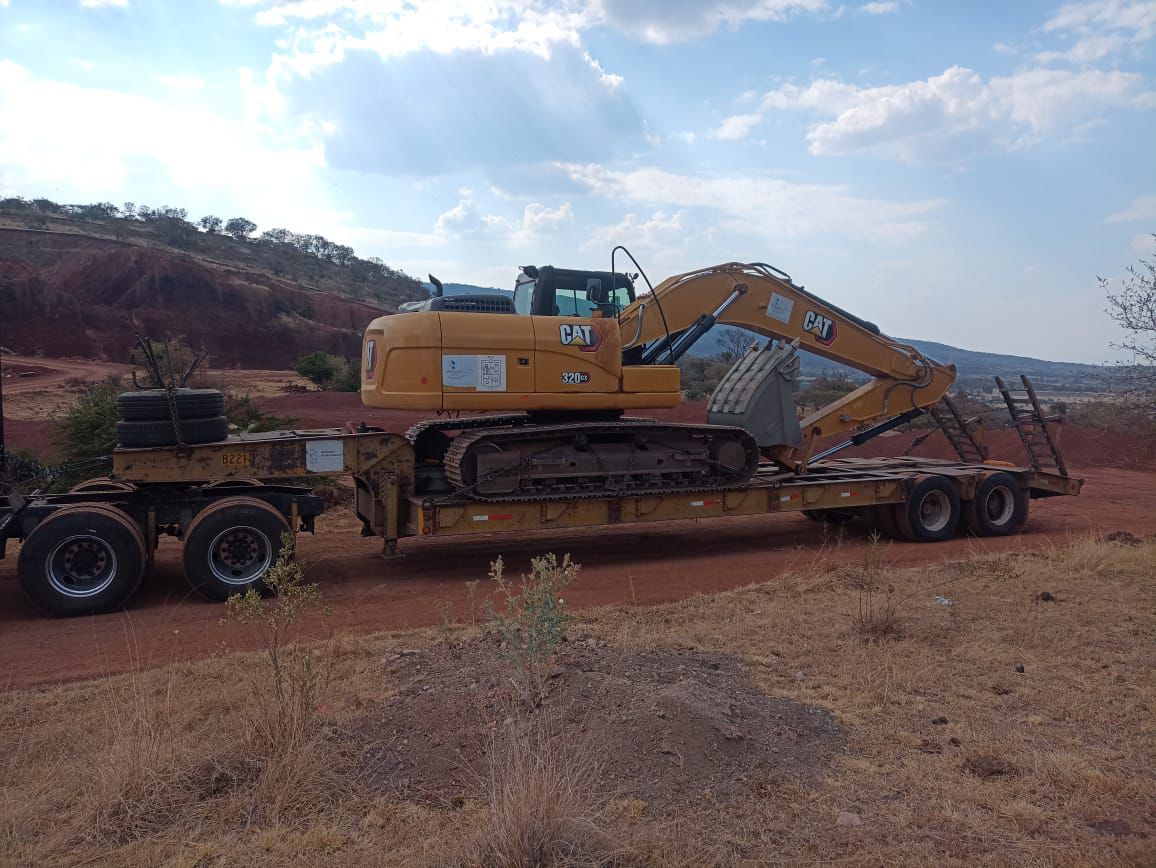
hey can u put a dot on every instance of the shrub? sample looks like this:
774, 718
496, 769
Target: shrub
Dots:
330, 372
285, 727
534, 619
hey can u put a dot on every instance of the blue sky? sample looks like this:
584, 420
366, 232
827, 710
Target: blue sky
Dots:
958, 172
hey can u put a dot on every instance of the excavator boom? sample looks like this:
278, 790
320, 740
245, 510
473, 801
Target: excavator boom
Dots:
766, 301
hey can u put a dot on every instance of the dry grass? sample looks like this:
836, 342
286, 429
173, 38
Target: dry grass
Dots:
545, 805
953, 756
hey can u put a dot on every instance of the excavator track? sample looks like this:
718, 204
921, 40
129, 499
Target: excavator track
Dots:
597, 459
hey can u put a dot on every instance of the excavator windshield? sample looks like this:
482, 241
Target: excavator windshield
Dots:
550, 291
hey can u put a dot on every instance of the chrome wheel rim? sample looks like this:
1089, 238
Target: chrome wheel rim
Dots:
81, 566
240, 555
999, 505
934, 511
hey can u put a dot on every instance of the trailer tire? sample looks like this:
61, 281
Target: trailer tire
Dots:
230, 545
153, 405
931, 511
136, 435
1000, 507
81, 559
102, 485
885, 520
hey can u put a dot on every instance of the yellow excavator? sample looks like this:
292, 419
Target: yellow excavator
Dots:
571, 351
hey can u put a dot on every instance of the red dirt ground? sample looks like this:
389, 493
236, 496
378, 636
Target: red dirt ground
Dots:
628, 565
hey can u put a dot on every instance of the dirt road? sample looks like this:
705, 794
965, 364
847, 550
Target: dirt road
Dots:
430, 581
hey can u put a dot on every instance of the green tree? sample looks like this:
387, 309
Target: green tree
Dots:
210, 224
240, 228
1133, 307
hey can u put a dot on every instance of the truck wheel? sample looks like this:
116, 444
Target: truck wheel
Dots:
230, 546
1000, 507
931, 512
135, 435
81, 559
153, 405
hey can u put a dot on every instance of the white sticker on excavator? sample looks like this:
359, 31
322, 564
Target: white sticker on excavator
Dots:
780, 308
484, 373
460, 371
491, 373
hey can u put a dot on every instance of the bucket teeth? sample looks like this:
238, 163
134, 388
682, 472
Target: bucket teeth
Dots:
758, 395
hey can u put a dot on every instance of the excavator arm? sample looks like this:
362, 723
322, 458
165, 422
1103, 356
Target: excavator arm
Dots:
659, 327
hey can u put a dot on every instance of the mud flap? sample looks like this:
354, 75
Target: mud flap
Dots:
758, 394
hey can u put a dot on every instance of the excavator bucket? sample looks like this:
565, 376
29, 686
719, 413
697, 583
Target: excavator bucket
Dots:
758, 395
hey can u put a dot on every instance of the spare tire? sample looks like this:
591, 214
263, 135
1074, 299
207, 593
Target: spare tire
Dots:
154, 404
135, 435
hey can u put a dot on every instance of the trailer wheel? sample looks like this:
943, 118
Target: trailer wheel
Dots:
884, 519
830, 516
135, 435
1000, 507
153, 405
931, 512
84, 558
230, 546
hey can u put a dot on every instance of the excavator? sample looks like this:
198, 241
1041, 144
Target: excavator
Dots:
548, 376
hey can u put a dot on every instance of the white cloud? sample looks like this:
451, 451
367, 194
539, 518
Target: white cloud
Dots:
1142, 208
466, 220
658, 240
184, 83
681, 20
880, 7
951, 116
761, 205
1137, 17
1144, 242
538, 219
98, 4
1086, 50
192, 150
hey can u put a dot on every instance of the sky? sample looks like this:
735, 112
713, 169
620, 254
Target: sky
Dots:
960, 172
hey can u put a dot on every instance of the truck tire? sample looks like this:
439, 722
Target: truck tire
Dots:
84, 558
154, 404
931, 512
102, 485
1000, 507
884, 520
136, 435
230, 546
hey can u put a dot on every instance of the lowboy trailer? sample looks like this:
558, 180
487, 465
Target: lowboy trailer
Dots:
229, 502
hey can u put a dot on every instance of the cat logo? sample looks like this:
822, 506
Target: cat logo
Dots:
822, 327
585, 337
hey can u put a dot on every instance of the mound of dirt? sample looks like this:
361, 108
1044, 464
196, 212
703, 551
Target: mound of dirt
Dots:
667, 727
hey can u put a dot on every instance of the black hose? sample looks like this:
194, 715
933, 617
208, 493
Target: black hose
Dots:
650, 286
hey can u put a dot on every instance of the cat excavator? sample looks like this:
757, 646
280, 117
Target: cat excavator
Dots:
561, 361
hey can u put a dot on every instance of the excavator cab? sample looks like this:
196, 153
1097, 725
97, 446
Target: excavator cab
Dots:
550, 291
555, 347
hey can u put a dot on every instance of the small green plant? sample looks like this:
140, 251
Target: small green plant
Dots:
285, 726
534, 618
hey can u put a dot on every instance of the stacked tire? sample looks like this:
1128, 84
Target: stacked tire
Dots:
146, 417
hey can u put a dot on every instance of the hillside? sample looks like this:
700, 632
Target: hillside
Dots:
69, 283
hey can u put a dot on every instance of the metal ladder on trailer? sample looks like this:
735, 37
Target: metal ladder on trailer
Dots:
953, 426
1031, 423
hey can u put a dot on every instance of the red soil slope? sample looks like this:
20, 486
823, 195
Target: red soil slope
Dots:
69, 295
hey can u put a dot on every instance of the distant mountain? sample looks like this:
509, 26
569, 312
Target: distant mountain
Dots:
972, 365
